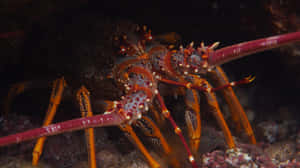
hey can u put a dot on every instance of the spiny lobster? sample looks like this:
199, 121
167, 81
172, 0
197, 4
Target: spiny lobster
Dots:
146, 65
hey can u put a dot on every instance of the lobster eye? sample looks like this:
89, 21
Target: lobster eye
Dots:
123, 50
148, 36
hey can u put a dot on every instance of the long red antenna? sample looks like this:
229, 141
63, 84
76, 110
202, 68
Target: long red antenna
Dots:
236, 51
101, 120
11, 34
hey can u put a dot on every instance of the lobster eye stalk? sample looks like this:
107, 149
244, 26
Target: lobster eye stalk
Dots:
227, 54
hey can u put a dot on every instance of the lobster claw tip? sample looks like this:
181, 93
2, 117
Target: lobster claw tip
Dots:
250, 78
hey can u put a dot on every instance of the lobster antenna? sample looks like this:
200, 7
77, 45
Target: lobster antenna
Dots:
240, 50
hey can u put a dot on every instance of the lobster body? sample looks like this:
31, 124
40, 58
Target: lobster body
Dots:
146, 63
140, 89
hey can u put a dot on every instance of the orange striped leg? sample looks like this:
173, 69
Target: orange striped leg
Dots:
190, 85
193, 119
150, 129
158, 118
215, 109
177, 130
14, 91
238, 114
130, 133
57, 91
83, 97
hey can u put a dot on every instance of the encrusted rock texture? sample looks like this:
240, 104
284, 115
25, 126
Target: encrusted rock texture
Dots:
274, 149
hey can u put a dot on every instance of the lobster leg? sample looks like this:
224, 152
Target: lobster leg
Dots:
130, 133
208, 90
158, 118
177, 130
198, 87
238, 114
193, 119
202, 85
215, 109
19, 88
86, 111
150, 129
57, 91
15, 90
